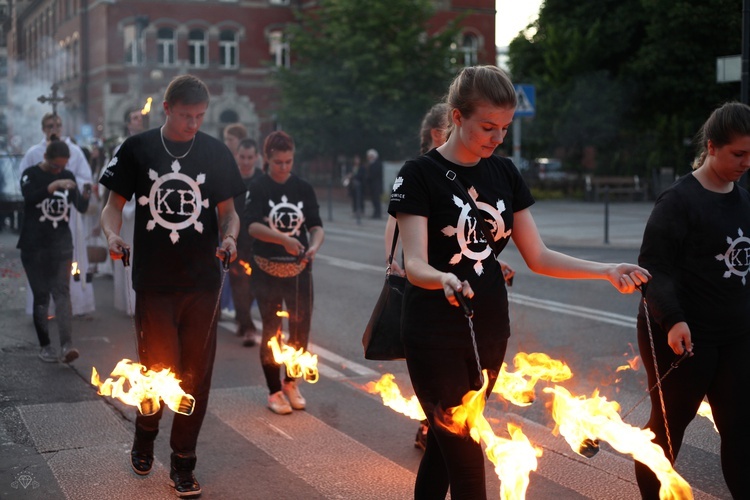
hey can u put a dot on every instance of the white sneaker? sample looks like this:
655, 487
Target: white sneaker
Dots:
279, 404
291, 391
48, 354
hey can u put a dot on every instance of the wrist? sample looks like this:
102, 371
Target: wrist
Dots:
231, 237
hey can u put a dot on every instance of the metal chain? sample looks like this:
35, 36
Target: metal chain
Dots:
476, 350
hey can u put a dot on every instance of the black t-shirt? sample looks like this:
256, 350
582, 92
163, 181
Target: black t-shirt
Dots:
244, 240
696, 246
46, 216
176, 227
290, 208
456, 244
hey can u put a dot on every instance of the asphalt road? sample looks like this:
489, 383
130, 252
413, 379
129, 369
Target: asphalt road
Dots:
58, 439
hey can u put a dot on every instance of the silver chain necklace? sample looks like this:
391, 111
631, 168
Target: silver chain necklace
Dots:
161, 134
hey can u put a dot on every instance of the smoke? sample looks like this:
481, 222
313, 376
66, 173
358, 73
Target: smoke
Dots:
26, 85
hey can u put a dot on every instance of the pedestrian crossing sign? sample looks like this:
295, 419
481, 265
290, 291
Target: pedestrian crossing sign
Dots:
526, 95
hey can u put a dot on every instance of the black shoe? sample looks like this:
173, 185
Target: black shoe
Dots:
420, 441
181, 476
142, 453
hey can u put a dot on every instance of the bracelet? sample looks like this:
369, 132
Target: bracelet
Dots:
231, 236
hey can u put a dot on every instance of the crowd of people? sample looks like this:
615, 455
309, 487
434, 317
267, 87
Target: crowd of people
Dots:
247, 210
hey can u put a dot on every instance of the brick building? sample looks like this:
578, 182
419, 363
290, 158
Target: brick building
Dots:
110, 55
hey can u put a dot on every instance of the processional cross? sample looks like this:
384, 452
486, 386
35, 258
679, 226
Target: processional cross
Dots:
54, 99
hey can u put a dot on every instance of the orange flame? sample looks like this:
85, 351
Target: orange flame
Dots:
246, 267
704, 410
147, 107
74, 269
514, 458
392, 398
516, 389
299, 363
282, 314
146, 388
581, 420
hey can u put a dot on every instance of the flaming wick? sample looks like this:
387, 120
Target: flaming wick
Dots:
147, 107
299, 363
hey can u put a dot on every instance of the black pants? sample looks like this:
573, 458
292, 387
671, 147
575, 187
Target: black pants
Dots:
177, 330
48, 272
716, 372
242, 291
294, 295
441, 377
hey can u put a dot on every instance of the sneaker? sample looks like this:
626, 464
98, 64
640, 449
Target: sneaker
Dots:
279, 404
141, 460
69, 353
248, 340
48, 354
420, 441
291, 391
181, 477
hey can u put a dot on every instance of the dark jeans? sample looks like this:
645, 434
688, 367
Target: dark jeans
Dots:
441, 377
272, 294
715, 372
48, 272
242, 292
177, 330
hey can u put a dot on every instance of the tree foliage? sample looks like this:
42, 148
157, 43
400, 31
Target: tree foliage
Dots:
363, 74
634, 79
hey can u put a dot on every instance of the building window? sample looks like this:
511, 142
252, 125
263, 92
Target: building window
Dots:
470, 49
198, 48
278, 47
132, 46
228, 50
166, 47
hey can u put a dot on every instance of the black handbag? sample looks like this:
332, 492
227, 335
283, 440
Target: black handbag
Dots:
382, 337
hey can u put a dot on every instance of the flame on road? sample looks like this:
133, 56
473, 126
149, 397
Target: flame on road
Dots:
518, 387
514, 458
583, 420
145, 388
392, 398
299, 363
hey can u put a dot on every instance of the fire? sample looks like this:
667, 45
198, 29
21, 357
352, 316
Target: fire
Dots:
145, 388
584, 421
147, 107
515, 388
299, 363
246, 267
514, 458
282, 314
74, 271
392, 398
704, 410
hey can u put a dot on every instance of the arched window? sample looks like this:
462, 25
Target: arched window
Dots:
278, 47
228, 50
166, 47
470, 49
198, 48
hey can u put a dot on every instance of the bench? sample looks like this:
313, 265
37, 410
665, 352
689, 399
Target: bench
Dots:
621, 188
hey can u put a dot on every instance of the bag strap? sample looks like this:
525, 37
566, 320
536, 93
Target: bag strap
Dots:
451, 175
393, 248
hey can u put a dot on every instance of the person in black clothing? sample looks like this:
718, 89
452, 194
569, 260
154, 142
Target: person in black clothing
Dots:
695, 246
374, 176
49, 191
446, 254
283, 217
241, 269
184, 183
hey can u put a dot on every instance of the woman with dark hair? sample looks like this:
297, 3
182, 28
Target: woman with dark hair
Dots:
283, 217
698, 303
49, 192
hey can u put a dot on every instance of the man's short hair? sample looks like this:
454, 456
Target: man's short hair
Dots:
237, 130
49, 115
248, 143
128, 112
186, 89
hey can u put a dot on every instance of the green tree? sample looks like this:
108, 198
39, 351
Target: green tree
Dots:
632, 78
363, 73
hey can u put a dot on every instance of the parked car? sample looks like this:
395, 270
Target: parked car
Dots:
548, 173
11, 199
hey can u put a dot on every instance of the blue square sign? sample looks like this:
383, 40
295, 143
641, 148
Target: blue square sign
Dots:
526, 100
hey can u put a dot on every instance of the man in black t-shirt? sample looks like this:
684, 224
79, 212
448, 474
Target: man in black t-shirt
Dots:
181, 179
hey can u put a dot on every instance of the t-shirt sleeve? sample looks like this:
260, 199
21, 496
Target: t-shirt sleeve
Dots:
120, 174
253, 203
312, 209
522, 197
230, 182
409, 194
